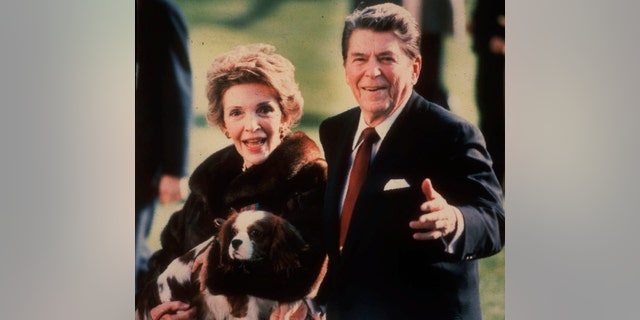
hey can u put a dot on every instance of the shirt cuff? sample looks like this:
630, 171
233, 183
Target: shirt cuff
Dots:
449, 247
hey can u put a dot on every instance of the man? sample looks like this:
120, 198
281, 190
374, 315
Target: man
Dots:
405, 245
163, 111
436, 20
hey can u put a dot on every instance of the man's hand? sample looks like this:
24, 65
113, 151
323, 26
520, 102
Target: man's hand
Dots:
497, 46
169, 189
172, 310
439, 219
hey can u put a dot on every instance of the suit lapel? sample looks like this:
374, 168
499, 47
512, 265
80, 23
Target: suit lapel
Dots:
398, 140
337, 175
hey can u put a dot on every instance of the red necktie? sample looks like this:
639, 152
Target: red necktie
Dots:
358, 173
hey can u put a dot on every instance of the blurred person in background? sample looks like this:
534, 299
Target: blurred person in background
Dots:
487, 29
438, 19
163, 111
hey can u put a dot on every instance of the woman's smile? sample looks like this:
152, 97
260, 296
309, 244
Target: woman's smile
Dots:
254, 145
252, 120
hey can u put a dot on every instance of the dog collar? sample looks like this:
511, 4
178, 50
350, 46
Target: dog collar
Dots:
251, 207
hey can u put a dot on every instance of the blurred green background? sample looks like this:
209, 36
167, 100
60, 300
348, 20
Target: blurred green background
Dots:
308, 32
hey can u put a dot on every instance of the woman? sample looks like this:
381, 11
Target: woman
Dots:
254, 99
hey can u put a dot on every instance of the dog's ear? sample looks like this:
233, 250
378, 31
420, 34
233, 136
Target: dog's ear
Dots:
286, 246
224, 237
217, 225
213, 266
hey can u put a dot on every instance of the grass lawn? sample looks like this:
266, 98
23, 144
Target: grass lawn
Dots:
308, 33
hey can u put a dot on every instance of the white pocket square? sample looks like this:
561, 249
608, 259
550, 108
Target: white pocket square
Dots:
396, 184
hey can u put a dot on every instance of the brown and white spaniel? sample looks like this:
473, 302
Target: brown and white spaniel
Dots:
251, 243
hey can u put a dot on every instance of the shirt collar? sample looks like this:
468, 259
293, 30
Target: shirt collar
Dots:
382, 128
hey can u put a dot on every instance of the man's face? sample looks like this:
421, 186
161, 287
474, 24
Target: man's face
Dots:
379, 73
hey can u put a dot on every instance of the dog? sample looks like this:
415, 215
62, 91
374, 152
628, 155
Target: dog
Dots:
176, 283
250, 243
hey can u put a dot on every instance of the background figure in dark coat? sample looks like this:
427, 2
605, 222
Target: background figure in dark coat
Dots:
487, 28
163, 111
436, 22
430, 204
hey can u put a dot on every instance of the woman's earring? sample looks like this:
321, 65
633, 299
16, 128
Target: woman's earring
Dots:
226, 133
281, 133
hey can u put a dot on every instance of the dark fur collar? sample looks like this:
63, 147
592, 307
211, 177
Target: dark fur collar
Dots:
271, 178
221, 174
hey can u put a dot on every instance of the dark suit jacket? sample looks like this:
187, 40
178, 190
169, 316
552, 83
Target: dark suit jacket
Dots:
383, 273
163, 96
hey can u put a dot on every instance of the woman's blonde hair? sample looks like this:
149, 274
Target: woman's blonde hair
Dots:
256, 63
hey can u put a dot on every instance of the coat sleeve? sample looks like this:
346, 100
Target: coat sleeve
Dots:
474, 189
175, 105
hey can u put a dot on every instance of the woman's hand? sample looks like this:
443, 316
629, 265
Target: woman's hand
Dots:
172, 310
292, 311
202, 262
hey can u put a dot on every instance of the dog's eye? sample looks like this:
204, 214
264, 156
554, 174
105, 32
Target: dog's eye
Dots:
255, 233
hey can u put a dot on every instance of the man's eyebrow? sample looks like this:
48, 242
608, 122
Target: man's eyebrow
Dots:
386, 53
379, 54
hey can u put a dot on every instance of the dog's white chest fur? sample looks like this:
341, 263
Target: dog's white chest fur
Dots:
219, 308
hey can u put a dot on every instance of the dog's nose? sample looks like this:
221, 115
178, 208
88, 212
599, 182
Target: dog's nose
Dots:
235, 243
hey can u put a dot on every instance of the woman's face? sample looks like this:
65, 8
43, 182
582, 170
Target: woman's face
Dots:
253, 118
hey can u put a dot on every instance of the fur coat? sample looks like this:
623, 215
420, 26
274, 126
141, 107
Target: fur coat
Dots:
289, 183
